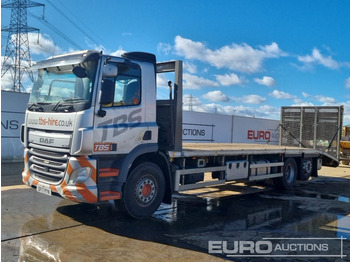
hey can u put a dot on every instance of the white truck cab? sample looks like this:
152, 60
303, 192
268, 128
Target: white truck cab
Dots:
87, 112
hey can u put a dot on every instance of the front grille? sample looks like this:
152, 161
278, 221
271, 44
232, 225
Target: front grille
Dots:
47, 166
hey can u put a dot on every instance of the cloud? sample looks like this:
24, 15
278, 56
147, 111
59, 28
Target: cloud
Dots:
326, 100
262, 111
305, 94
45, 46
7, 82
194, 103
269, 111
242, 58
118, 52
266, 80
195, 82
282, 95
302, 103
192, 68
250, 99
316, 58
161, 80
216, 96
346, 112
228, 79
164, 48
347, 82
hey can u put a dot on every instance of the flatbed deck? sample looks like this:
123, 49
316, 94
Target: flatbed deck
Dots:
222, 149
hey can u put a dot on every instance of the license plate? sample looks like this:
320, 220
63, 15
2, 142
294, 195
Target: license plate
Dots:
44, 189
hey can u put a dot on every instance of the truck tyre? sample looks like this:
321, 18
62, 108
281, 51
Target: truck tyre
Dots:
143, 191
290, 172
305, 169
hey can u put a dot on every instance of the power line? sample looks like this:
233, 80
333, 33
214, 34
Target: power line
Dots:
72, 22
80, 21
56, 30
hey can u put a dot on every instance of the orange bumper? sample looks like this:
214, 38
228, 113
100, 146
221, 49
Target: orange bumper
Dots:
82, 191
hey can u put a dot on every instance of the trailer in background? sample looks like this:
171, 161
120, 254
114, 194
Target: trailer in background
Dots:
201, 127
316, 127
13, 108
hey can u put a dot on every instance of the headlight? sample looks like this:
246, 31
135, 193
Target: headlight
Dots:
80, 175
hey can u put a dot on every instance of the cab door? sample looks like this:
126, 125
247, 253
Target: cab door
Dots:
122, 125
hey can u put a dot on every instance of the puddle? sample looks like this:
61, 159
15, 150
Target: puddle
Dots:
307, 194
191, 224
322, 196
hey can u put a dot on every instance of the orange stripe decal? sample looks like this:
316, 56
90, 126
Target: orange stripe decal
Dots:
87, 194
26, 177
108, 172
109, 195
53, 188
69, 169
66, 192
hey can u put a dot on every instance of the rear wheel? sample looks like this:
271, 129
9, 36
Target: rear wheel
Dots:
290, 172
143, 191
306, 169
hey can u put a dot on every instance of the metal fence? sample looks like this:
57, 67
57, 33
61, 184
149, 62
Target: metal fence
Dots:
312, 127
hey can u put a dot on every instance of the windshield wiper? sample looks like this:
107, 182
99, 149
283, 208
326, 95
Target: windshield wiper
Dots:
71, 100
37, 106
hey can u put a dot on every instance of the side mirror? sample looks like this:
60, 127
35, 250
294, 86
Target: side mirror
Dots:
110, 70
80, 72
107, 96
107, 89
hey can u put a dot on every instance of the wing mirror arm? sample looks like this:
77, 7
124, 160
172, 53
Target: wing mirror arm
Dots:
101, 112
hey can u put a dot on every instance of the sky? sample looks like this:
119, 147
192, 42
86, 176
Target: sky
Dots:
241, 57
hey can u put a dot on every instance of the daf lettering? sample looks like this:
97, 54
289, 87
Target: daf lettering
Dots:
48, 141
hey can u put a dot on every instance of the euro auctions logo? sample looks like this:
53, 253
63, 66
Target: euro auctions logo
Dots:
280, 247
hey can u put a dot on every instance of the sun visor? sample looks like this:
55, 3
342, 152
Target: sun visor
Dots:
72, 58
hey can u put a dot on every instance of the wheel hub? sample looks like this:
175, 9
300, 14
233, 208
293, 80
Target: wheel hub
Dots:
145, 190
307, 166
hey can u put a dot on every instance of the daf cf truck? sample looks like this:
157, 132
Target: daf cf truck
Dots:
94, 131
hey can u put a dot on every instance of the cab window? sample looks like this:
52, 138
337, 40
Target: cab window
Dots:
127, 87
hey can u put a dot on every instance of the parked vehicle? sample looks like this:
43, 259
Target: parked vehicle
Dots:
94, 131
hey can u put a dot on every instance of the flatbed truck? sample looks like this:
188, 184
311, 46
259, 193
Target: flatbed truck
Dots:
94, 131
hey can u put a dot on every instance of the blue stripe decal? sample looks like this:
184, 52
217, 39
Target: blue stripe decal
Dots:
88, 128
131, 125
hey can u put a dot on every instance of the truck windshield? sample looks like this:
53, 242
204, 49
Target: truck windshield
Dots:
63, 88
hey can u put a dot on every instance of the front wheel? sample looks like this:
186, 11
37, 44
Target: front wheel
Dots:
143, 191
290, 172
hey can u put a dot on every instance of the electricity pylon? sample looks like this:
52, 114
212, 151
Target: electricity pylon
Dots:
17, 59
